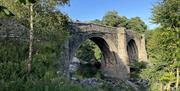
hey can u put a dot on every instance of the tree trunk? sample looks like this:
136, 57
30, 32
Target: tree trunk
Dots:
177, 79
161, 87
30, 38
169, 86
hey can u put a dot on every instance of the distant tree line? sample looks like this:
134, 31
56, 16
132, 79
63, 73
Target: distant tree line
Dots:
111, 18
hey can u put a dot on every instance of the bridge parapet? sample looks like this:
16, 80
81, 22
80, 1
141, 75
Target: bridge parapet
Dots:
91, 27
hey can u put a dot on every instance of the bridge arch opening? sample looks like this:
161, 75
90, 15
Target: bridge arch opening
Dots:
93, 64
132, 54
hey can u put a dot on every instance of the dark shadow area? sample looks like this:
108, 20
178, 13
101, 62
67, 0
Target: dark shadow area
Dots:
132, 54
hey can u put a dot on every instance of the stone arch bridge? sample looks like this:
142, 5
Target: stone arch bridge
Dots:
119, 47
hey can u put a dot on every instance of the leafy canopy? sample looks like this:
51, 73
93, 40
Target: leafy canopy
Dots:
19, 7
166, 13
111, 18
136, 24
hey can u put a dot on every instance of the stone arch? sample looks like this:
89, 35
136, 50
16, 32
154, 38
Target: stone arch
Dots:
75, 41
132, 50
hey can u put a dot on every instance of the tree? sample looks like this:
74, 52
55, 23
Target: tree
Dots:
166, 13
49, 25
30, 37
136, 24
111, 18
161, 49
123, 21
30, 3
49, 29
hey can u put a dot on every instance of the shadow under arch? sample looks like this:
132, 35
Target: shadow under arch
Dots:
105, 50
132, 52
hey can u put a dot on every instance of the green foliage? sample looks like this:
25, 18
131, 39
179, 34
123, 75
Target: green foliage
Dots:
162, 48
11, 59
16, 8
85, 52
62, 2
88, 50
51, 26
19, 8
5, 11
13, 76
138, 65
111, 18
166, 13
97, 52
136, 68
167, 76
136, 24
123, 21
50, 32
163, 43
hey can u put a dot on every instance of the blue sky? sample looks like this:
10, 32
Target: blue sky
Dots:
86, 10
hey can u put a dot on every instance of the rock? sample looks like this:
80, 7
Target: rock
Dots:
94, 82
110, 83
75, 60
139, 82
73, 67
132, 85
